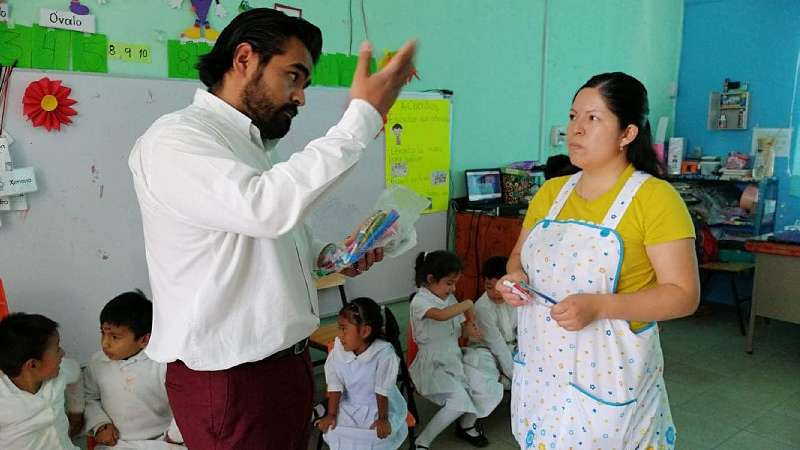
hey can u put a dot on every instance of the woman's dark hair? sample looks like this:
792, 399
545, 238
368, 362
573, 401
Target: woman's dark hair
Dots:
626, 97
438, 264
267, 31
364, 311
23, 337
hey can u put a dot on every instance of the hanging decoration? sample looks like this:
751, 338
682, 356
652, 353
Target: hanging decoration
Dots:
201, 25
46, 103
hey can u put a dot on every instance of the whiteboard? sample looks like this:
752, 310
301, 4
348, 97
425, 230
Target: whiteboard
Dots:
81, 242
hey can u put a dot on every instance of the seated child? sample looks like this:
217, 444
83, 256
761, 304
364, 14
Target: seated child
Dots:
34, 378
365, 408
126, 401
497, 320
441, 371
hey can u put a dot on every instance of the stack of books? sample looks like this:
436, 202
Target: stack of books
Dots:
736, 174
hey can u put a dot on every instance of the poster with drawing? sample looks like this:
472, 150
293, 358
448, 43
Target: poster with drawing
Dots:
418, 149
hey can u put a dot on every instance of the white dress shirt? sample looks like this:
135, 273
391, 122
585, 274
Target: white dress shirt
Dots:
498, 323
37, 421
130, 394
230, 260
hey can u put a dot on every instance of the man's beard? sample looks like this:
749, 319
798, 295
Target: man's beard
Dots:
272, 121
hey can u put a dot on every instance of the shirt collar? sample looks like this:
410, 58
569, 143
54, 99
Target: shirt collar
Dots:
238, 119
376, 347
125, 362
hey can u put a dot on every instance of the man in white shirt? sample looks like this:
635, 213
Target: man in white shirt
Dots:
229, 258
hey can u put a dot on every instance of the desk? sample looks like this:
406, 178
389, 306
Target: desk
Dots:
776, 284
479, 237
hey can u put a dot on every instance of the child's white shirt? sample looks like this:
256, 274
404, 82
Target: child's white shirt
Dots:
130, 394
498, 323
37, 421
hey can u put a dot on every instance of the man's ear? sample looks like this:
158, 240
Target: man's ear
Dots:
143, 341
244, 59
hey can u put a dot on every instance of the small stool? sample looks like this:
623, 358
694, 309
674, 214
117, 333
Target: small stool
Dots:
731, 270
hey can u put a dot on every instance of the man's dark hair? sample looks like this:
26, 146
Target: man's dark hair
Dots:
23, 337
132, 310
495, 267
267, 31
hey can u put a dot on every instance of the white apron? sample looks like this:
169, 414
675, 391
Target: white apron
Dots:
600, 387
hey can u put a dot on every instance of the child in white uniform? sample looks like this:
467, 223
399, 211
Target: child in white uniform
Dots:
497, 320
441, 371
34, 378
126, 401
365, 409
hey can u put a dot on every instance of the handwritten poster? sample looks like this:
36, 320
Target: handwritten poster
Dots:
418, 149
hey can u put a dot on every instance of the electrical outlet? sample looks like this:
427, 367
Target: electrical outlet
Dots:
557, 135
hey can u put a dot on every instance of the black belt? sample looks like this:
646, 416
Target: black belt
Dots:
294, 350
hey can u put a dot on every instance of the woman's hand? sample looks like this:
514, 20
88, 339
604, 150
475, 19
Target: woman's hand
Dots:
577, 311
510, 297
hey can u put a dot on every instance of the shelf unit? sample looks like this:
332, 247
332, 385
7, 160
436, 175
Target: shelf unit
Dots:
762, 218
734, 105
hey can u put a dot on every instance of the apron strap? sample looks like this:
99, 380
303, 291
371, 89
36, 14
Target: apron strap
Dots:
563, 195
624, 199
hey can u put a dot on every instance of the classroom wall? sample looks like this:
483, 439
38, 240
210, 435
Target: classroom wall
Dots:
641, 38
487, 53
754, 42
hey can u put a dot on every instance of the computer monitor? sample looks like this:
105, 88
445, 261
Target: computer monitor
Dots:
484, 185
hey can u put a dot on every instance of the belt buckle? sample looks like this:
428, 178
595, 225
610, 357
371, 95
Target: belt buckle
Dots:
300, 347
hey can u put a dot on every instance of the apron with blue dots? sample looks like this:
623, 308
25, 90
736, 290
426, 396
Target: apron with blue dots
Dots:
600, 387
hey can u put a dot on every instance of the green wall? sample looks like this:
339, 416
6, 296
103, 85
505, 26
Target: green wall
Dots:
489, 53
639, 37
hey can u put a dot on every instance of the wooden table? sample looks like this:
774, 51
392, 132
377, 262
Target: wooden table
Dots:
776, 284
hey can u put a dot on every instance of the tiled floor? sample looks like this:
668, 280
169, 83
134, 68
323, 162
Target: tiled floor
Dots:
721, 397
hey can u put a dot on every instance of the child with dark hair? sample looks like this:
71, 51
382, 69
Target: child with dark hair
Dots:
35, 376
441, 371
497, 320
126, 401
365, 407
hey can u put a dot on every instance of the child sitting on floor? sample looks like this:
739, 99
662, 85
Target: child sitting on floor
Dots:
34, 378
365, 408
497, 320
126, 401
441, 371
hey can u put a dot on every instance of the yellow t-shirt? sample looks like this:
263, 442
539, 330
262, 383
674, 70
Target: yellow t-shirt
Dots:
656, 215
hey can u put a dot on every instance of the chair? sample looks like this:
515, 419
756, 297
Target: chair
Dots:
322, 338
731, 270
3, 301
406, 386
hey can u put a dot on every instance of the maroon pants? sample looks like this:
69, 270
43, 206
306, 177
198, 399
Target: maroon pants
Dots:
263, 405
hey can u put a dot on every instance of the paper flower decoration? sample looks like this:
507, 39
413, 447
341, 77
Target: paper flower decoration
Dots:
46, 103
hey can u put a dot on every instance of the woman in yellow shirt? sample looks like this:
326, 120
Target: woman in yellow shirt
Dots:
603, 255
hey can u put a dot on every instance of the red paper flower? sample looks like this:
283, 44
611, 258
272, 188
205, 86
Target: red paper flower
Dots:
47, 103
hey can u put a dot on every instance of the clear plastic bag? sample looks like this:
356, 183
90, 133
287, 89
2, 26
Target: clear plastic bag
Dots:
390, 225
